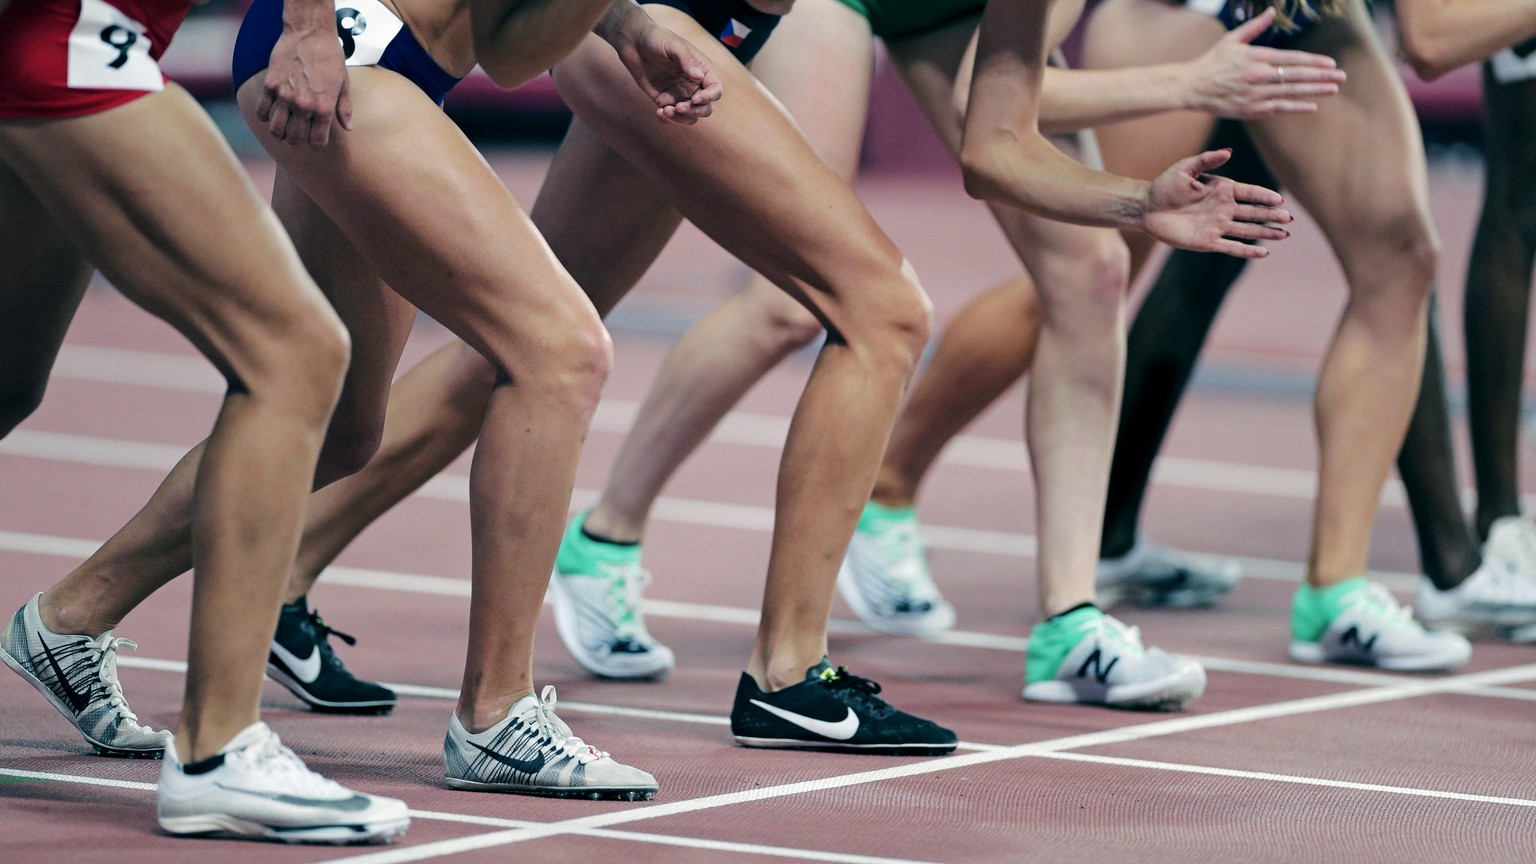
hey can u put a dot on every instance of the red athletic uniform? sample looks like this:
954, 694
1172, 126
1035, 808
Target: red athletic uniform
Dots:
70, 58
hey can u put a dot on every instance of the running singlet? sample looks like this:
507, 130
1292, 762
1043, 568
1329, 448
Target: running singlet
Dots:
370, 35
70, 58
898, 19
740, 27
1232, 14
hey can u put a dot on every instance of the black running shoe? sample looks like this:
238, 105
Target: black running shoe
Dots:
302, 660
832, 710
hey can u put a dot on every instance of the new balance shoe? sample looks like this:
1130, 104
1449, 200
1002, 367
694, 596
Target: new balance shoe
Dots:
1152, 575
1494, 598
1358, 622
1087, 657
597, 588
1512, 541
832, 710
78, 676
885, 579
302, 660
259, 789
533, 752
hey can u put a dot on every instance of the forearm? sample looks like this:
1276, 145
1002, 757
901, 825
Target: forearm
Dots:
1073, 99
516, 40
1025, 171
308, 17
1440, 35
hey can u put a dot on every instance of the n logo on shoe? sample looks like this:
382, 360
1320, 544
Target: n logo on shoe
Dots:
1352, 637
841, 730
1100, 671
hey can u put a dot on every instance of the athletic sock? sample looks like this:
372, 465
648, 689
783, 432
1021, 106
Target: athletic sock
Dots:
1312, 609
581, 552
1054, 638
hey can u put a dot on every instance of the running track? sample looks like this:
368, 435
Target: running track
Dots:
1278, 763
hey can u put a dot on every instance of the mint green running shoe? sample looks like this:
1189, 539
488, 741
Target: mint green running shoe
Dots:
884, 578
1358, 622
1089, 658
597, 590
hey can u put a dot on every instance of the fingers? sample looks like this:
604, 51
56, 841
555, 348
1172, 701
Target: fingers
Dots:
1299, 59
344, 104
1238, 250
1262, 215
1203, 162
1250, 29
1247, 193
1252, 231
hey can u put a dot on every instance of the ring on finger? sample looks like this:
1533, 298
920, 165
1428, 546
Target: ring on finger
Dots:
1282, 74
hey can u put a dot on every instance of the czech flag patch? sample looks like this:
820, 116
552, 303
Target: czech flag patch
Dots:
735, 33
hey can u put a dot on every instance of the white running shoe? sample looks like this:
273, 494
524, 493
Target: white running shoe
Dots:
257, 788
1494, 597
885, 580
1105, 664
533, 752
1371, 629
601, 622
1152, 575
78, 676
1512, 542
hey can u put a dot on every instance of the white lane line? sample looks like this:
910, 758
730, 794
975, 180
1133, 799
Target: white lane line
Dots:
1285, 778
355, 577
192, 374
464, 819
952, 763
116, 453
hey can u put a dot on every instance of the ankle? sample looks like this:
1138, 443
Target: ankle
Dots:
893, 491
482, 712
70, 618
602, 523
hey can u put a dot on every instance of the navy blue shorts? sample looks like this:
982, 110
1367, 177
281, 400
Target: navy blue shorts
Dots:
742, 29
1232, 14
370, 35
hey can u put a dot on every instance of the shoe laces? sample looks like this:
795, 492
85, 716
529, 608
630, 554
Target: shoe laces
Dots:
323, 631
1122, 636
861, 692
284, 768
107, 646
562, 739
1503, 583
901, 545
1375, 600
1523, 537
626, 587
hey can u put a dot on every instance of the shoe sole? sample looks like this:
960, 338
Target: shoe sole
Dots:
1170, 693
833, 747
320, 705
594, 793
223, 824
58, 704
1312, 653
566, 627
937, 621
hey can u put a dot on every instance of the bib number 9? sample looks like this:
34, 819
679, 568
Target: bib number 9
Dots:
110, 51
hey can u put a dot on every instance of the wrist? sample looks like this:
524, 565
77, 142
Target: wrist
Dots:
304, 17
1182, 84
621, 23
1136, 203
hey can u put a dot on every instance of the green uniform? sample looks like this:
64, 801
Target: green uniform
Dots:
898, 19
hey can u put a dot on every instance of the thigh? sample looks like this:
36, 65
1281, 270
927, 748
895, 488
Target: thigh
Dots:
1357, 163
45, 279
188, 237
746, 177
418, 201
1509, 142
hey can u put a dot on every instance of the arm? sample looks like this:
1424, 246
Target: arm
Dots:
678, 78
1233, 79
1007, 161
1440, 35
516, 40
306, 82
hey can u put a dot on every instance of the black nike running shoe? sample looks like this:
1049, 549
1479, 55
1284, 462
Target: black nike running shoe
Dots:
302, 660
832, 710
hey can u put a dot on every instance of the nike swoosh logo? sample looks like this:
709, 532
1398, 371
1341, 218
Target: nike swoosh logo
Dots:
306, 670
75, 700
842, 730
527, 766
354, 804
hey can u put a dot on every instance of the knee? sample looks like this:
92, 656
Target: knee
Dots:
574, 366
318, 352
1410, 247
1087, 288
902, 321
18, 401
348, 449
788, 325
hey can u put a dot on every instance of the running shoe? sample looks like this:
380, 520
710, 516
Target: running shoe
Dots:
1495, 597
597, 588
1358, 622
1087, 657
1512, 541
302, 660
259, 789
832, 710
885, 579
78, 676
1152, 575
533, 752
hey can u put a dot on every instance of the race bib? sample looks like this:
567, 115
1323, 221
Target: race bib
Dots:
110, 51
1516, 64
365, 28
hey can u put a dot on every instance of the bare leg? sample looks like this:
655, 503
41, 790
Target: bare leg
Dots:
268, 330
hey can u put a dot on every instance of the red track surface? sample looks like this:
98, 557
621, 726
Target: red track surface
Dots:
1277, 763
